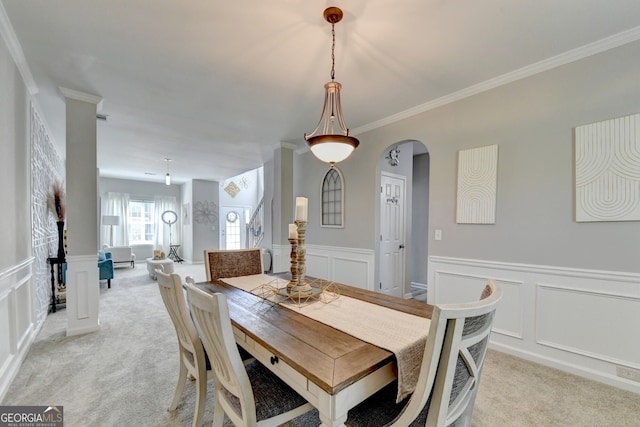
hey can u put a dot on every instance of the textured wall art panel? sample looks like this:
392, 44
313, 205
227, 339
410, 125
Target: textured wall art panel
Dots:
46, 167
477, 180
607, 170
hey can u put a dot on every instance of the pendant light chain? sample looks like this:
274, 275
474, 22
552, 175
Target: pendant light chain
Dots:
333, 55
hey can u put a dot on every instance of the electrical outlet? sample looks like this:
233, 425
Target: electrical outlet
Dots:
628, 373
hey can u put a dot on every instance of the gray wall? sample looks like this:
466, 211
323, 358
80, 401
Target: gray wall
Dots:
144, 189
532, 121
205, 234
420, 219
187, 226
15, 166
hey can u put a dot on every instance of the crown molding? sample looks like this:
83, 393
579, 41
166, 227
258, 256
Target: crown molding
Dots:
10, 38
573, 55
81, 96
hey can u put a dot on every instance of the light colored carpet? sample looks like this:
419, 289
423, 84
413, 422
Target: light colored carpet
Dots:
125, 373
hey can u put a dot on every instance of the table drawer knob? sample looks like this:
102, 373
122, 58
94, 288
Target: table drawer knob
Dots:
274, 360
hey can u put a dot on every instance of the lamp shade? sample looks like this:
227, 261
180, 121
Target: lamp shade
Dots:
110, 220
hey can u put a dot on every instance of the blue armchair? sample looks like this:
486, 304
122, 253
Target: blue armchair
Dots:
105, 267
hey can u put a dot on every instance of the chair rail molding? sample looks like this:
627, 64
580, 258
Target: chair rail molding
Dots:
539, 298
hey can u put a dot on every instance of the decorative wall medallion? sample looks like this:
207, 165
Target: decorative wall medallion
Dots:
608, 170
232, 189
477, 181
205, 212
393, 156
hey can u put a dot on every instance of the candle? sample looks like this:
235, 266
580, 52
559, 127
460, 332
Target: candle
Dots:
293, 231
302, 204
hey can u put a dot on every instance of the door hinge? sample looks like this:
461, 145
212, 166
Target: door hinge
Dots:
380, 285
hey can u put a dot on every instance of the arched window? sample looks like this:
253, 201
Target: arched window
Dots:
332, 199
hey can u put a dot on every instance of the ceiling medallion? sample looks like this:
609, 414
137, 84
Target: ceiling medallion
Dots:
329, 146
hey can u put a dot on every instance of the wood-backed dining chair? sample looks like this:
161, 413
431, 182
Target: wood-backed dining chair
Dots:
249, 395
232, 263
193, 359
450, 373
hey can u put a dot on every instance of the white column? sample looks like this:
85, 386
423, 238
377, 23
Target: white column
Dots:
83, 285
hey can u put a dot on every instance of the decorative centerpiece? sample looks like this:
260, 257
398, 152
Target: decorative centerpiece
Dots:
57, 207
297, 232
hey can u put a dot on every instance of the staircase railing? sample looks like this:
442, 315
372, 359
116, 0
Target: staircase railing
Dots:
255, 229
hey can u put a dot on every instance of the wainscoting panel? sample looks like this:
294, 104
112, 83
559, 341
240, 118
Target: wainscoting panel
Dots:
574, 309
83, 294
352, 266
24, 318
577, 320
7, 340
18, 327
451, 288
317, 265
351, 272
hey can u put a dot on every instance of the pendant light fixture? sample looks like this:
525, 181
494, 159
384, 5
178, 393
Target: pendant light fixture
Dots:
167, 178
329, 146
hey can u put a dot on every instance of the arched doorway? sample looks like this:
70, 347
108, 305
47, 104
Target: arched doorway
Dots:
403, 226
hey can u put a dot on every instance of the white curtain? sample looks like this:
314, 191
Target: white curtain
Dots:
163, 234
116, 204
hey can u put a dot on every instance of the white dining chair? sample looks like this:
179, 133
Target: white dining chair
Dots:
192, 357
249, 395
449, 375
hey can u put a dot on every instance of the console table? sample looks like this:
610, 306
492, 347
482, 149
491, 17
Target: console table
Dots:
57, 263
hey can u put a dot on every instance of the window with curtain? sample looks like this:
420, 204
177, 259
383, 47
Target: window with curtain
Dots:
332, 199
141, 222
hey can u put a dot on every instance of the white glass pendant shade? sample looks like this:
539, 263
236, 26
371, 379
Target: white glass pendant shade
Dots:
332, 148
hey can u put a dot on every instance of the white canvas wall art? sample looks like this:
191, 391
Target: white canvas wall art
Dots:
607, 170
477, 181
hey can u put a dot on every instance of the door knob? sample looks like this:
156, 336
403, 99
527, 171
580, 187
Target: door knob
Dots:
401, 247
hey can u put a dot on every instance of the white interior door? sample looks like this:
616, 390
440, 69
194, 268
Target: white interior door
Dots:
232, 227
392, 207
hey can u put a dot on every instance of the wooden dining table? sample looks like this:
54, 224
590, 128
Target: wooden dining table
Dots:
333, 370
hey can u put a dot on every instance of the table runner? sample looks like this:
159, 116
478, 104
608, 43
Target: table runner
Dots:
403, 334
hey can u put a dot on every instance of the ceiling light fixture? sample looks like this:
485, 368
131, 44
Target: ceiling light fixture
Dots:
329, 146
167, 178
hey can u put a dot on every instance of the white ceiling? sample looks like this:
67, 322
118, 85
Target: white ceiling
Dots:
216, 85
